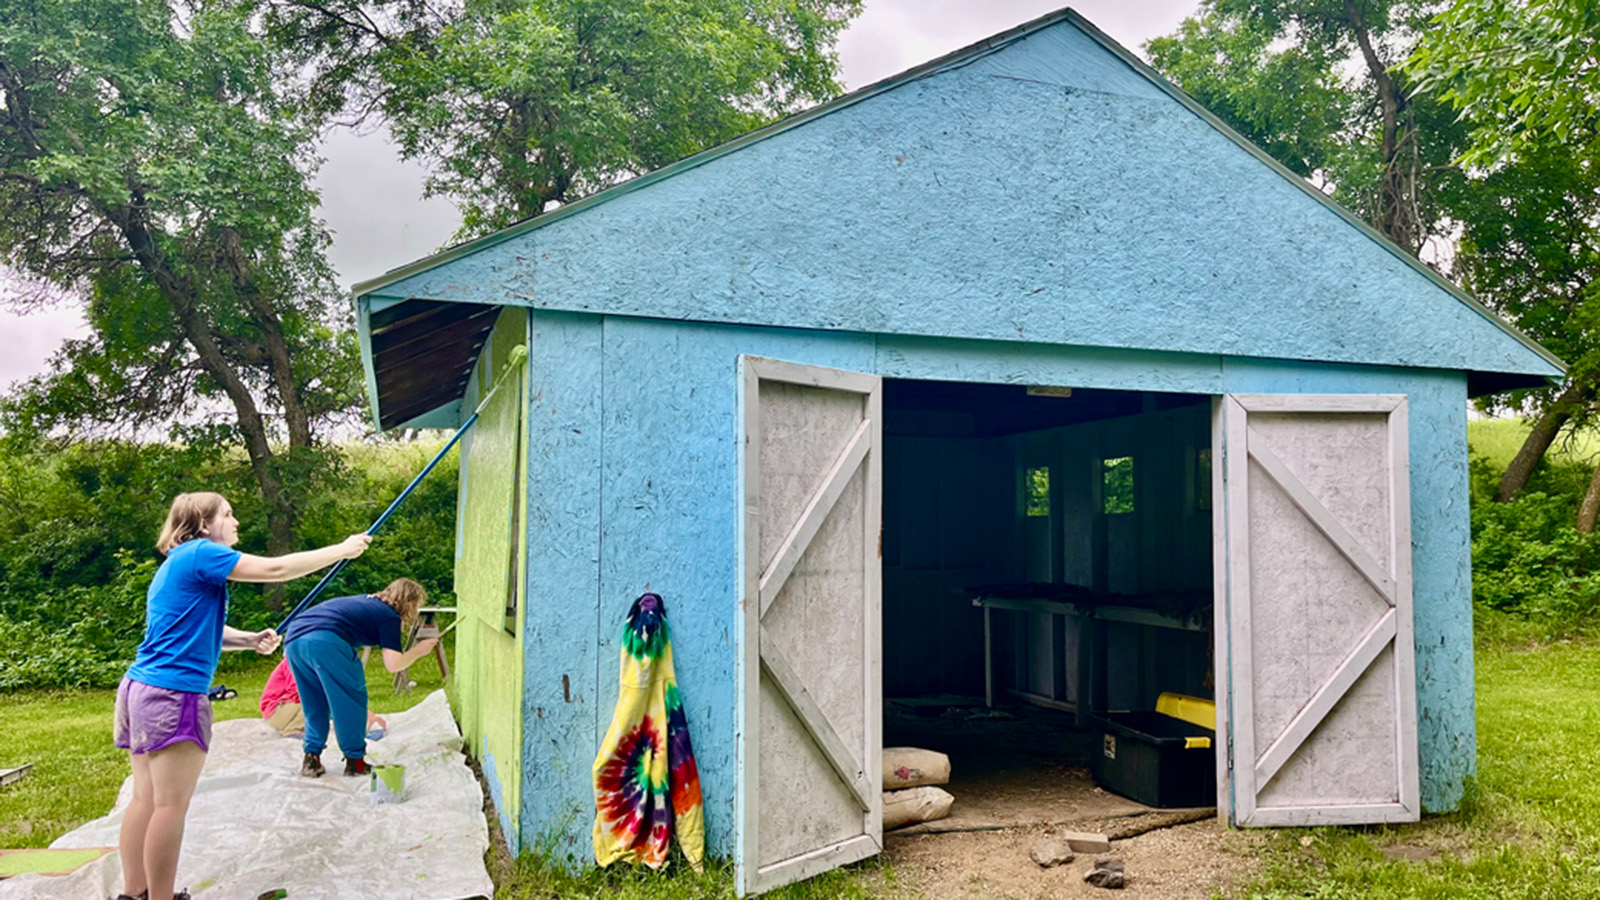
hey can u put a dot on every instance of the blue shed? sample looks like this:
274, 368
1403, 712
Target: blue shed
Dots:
1017, 375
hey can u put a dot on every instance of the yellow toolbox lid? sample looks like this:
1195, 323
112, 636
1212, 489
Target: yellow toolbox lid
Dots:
1194, 710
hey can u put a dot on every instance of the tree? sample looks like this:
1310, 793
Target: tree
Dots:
1524, 233
1523, 74
1276, 70
520, 105
149, 167
1529, 248
1523, 71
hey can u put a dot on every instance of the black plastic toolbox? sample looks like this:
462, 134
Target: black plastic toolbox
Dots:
1155, 759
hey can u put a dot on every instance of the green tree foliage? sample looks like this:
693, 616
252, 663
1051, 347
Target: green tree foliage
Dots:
1529, 248
1316, 84
518, 105
77, 544
1522, 75
1311, 82
1523, 71
150, 170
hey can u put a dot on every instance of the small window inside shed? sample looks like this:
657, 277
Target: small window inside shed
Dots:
1037, 483
1117, 485
1045, 559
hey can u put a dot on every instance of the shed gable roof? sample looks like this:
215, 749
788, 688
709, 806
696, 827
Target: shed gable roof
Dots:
1042, 185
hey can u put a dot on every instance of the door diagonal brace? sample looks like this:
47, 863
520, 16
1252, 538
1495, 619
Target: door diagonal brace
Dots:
816, 512
810, 714
1352, 667
1321, 517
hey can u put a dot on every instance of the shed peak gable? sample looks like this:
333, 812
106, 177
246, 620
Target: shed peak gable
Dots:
1040, 186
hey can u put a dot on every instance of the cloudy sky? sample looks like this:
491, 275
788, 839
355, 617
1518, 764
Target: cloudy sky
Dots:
372, 201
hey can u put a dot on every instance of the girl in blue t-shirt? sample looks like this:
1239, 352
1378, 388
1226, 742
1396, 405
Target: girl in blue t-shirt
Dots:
321, 645
163, 717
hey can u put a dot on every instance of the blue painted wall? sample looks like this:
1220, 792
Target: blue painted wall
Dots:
561, 713
635, 423
1046, 192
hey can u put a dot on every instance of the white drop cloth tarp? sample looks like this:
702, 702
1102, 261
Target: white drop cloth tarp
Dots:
255, 825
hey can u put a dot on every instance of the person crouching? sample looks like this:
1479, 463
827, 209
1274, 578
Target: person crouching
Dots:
322, 646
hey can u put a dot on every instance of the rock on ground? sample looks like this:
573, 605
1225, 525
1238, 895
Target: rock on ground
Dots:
1051, 851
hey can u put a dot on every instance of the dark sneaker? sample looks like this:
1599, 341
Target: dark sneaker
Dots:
356, 766
312, 766
143, 895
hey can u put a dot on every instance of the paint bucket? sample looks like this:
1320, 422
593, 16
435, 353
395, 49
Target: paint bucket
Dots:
388, 784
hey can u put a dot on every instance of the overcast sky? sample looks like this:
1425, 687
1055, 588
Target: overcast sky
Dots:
373, 202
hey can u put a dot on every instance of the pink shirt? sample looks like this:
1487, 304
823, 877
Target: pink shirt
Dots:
280, 689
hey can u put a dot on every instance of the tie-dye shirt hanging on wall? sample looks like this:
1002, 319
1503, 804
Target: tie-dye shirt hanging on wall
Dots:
646, 785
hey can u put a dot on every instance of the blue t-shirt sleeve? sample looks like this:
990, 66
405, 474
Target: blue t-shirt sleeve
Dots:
389, 633
214, 562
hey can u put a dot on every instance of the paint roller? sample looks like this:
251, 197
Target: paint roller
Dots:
514, 361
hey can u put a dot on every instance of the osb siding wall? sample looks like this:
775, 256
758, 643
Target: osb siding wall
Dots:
487, 678
635, 437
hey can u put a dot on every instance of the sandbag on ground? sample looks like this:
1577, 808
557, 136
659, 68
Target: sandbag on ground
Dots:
907, 767
255, 825
918, 804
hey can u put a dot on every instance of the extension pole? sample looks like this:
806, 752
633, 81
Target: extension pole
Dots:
518, 356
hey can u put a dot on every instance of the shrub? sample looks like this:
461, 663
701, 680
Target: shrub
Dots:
80, 636
78, 525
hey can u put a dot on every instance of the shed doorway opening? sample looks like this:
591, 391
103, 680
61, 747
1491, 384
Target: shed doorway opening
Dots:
1047, 556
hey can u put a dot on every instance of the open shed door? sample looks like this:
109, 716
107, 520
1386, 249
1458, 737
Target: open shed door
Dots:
1316, 583
809, 741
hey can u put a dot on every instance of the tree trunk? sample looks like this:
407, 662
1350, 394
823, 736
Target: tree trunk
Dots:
264, 317
1590, 505
280, 512
1396, 214
1549, 424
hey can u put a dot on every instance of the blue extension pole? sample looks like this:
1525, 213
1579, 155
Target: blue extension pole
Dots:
518, 356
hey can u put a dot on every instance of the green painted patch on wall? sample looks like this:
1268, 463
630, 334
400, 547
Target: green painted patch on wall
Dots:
489, 582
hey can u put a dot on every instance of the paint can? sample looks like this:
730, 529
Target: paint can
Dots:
388, 784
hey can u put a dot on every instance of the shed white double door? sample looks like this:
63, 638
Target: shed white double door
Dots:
1313, 542
1317, 717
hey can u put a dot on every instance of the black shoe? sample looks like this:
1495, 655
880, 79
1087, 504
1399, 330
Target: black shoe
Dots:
356, 766
143, 895
311, 767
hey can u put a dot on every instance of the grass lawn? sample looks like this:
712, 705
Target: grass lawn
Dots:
1530, 830
1500, 439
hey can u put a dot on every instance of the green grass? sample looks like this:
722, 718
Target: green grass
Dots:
1498, 440
1530, 829
1531, 826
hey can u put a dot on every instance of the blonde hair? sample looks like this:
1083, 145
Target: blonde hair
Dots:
405, 596
189, 514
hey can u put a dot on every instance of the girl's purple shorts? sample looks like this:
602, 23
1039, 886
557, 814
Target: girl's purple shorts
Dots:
152, 718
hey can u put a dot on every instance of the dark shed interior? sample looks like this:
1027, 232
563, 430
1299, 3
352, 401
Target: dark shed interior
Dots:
1046, 551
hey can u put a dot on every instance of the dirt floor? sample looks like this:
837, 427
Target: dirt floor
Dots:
1019, 773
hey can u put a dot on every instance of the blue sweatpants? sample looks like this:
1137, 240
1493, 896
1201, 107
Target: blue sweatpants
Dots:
331, 682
